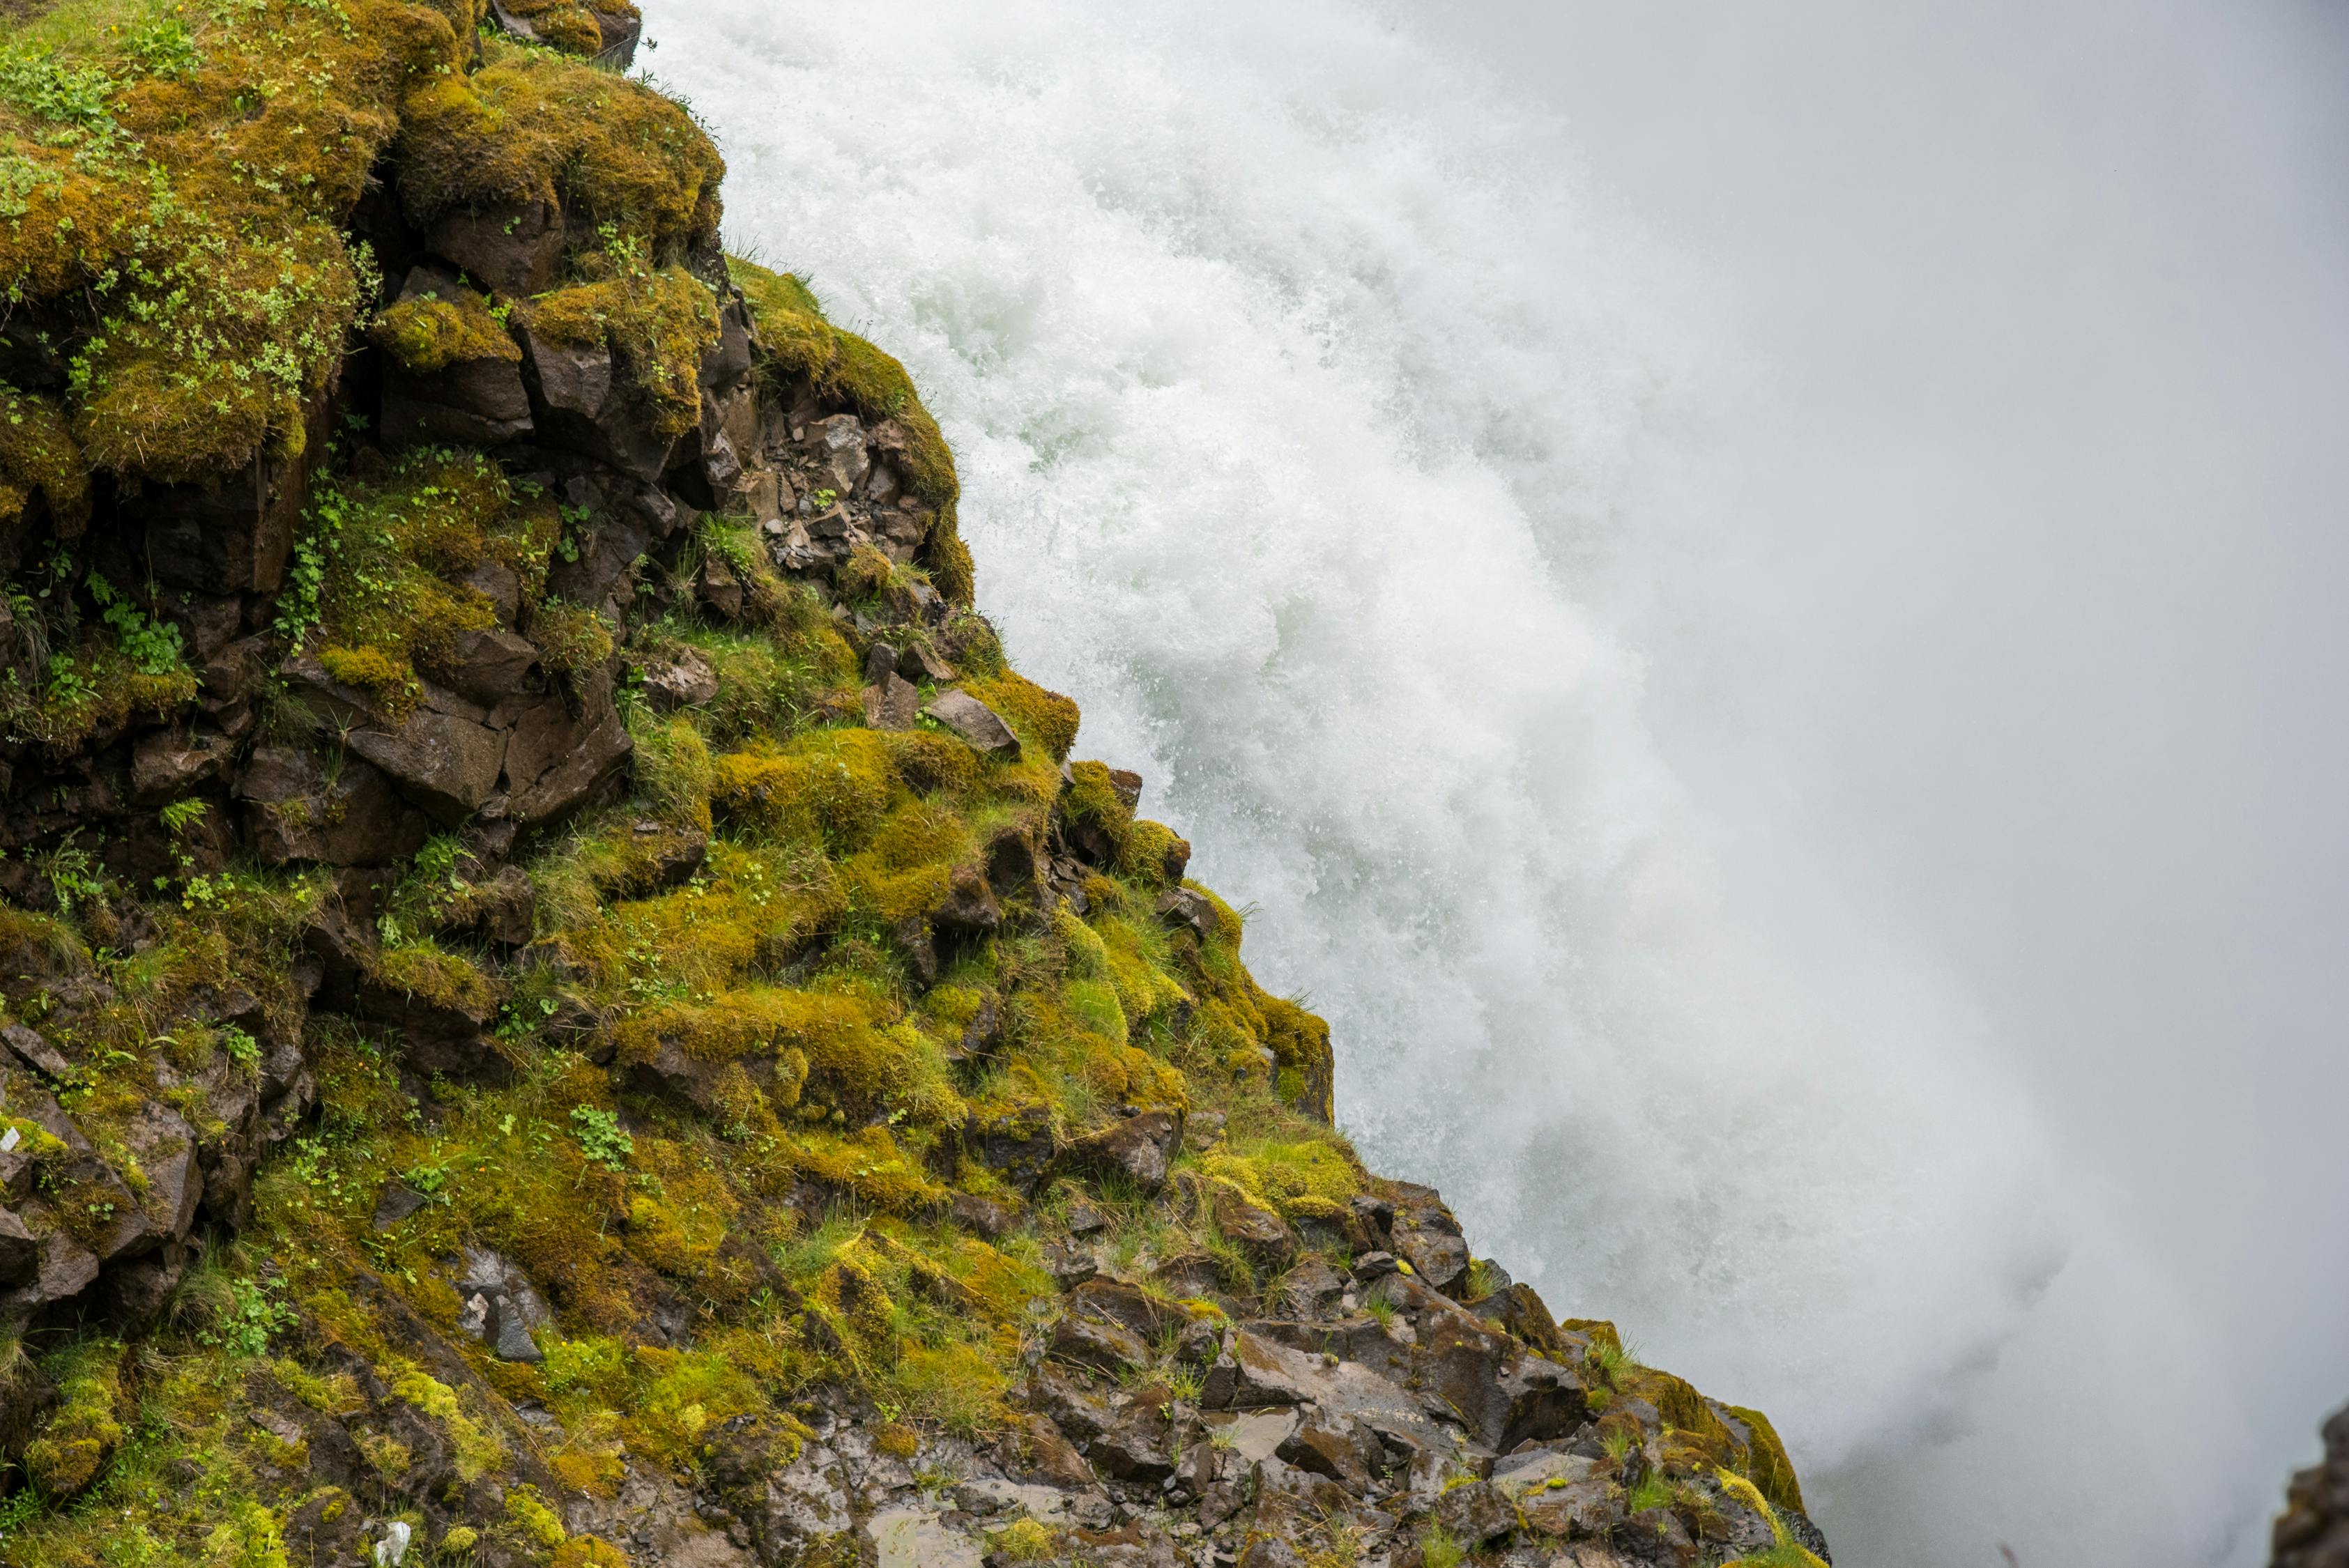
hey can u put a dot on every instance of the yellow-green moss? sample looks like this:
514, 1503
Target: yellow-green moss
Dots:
424, 333
82, 1433
843, 367
533, 126
39, 457
656, 321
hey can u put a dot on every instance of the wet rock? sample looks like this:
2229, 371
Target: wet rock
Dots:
1138, 1445
1051, 1458
1426, 1236
508, 247
446, 761
1136, 1149
1090, 1342
976, 724
574, 404
1311, 1289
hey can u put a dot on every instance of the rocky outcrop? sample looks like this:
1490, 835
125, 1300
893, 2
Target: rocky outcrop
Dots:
563, 1004
2313, 1529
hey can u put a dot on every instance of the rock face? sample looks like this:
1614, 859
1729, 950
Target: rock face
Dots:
2313, 1529
561, 1003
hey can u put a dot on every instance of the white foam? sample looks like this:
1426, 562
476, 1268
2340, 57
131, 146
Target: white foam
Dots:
1308, 412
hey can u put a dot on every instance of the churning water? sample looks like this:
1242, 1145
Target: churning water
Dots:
1323, 432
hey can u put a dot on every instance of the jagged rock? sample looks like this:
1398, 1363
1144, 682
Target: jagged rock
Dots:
1264, 1236
299, 809
718, 587
441, 755
978, 725
234, 535
1136, 1149
1183, 906
444, 1033
509, 247
502, 911
1476, 1512
396, 1203
1340, 1448
1426, 1236
1137, 1447
575, 403
1052, 1458
167, 764
969, 909
34, 1049
680, 1077
1518, 1309
2312, 1531
1657, 1536
985, 1216
838, 445
918, 663
892, 703
558, 757
1014, 869
1076, 1409
1088, 1341
1311, 1289
165, 1147
495, 581
485, 663
684, 681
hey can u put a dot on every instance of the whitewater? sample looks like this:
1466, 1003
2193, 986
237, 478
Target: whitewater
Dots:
1329, 434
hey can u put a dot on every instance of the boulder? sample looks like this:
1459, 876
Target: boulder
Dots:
1476, 1513
1019, 1145
1134, 1150
1259, 1234
985, 1216
575, 404
446, 762
1138, 1446
165, 1147
1338, 1446
976, 724
485, 663
559, 755
1107, 1346
1426, 1236
167, 764
684, 680
837, 444
1184, 907
892, 703
508, 247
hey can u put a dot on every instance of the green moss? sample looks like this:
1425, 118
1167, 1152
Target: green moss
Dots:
82, 1433
39, 458
656, 321
425, 333
531, 127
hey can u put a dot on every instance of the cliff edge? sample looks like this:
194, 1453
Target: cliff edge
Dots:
564, 1003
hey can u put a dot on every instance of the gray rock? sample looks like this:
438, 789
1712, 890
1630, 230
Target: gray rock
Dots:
558, 756
167, 764
1262, 1235
35, 1050
980, 726
446, 762
513, 1340
838, 443
1476, 1512
396, 1203
486, 664
685, 680
510, 247
1136, 1149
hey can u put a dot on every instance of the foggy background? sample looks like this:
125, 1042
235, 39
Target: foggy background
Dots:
2016, 583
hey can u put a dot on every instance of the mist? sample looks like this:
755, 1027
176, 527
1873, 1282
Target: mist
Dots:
1748, 598
2012, 594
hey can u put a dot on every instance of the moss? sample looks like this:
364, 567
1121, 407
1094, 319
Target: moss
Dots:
655, 321
1046, 719
424, 333
40, 460
1767, 1461
423, 970
572, 638
531, 127
84, 1430
840, 367
537, 1522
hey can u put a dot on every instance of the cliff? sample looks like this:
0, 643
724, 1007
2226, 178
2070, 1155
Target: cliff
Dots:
564, 1004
